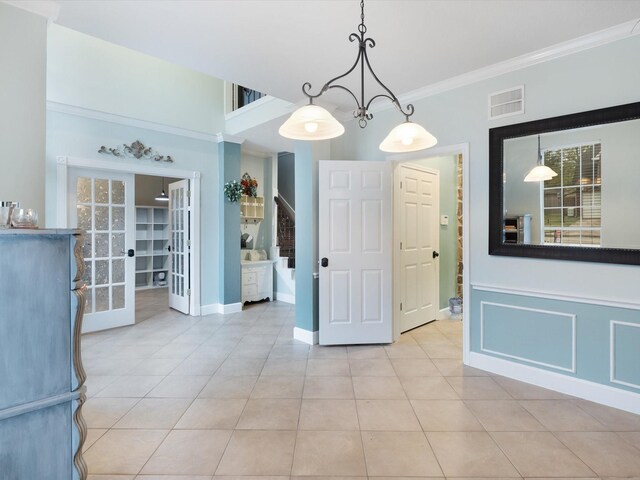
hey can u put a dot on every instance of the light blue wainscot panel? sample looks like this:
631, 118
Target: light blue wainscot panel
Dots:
598, 343
625, 353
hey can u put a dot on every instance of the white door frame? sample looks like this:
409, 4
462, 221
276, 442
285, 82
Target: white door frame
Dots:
63, 163
397, 282
462, 149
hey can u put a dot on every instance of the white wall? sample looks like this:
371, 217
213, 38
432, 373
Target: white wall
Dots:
596, 78
23, 56
91, 73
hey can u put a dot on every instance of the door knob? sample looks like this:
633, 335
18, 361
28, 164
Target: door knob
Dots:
435, 254
324, 262
131, 252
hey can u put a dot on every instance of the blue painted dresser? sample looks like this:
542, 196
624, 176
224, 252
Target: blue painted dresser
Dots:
41, 374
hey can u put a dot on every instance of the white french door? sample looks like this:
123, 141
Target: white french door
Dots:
419, 238
102, 204
180, 245
355, 247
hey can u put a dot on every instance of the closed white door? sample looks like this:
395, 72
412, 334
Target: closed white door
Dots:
419, 235
355, 235
102, 204
180, 246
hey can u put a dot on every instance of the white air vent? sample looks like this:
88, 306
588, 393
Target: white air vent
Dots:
506, 103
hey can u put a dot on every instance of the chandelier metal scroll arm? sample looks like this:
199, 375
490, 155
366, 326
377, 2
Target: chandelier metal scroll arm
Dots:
342, 87
391, 96
307, 86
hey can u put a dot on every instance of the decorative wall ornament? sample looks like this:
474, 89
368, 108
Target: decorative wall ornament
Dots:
233, 191
249, 185
136, 150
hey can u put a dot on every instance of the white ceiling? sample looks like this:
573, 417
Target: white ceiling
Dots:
274, 46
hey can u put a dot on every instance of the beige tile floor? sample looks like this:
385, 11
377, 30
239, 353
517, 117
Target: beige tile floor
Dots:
236, 398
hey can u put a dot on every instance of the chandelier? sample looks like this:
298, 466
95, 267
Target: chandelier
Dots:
313, 122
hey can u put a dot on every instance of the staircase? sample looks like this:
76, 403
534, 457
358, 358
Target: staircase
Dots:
286, 232
285, 252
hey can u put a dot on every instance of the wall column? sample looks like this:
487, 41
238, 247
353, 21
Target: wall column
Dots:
229, 269
307, 156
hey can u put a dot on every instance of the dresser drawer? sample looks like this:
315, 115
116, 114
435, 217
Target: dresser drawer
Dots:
249, 291
249, 278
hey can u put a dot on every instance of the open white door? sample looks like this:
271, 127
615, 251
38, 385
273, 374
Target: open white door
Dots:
355, 236
419, 237
180, 245
102, 204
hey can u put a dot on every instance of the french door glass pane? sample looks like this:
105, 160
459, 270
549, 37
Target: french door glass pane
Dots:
104, 249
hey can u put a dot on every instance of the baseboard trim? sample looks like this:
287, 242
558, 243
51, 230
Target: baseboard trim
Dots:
230, 308
443, 314
220, 308
285, 297
209, 309
577, 387
305, 336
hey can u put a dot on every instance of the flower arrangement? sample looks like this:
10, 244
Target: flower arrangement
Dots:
233, 191
249, 185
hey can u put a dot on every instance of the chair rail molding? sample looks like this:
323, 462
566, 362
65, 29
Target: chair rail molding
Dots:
605, 302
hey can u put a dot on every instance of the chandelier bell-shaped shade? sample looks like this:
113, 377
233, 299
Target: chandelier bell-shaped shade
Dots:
540, 173
311, 122
407, 137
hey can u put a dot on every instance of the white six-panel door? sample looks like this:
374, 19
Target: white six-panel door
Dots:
418, 227
179, 211
102, 204
355, 235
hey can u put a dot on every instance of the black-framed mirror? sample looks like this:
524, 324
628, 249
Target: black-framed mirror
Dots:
583, 201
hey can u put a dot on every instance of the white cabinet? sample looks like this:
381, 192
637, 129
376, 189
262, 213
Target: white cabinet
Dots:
257, 280
152, 242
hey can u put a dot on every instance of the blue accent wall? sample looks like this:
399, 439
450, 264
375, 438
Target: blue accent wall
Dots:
306, 184
229, 226
537, 331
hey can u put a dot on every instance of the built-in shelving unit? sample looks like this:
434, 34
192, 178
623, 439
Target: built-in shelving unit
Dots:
251, 209
152, 247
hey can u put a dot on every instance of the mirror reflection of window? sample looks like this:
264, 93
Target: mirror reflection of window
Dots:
572, 208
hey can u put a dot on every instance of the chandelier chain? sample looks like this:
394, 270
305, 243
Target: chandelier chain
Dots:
362, 28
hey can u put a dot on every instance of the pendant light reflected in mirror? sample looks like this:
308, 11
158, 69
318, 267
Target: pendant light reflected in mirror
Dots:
540, 173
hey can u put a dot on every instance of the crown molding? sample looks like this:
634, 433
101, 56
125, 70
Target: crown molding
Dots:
44, 8
128, 121
225, 137
585, 42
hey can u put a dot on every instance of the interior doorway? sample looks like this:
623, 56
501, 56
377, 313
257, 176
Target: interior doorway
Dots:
162, 244
141, 241
429, 272
416, 225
